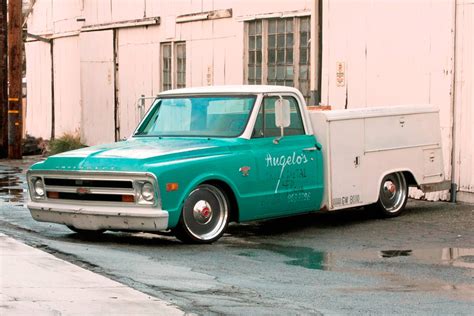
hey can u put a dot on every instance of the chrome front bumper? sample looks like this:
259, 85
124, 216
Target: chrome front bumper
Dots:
100, 217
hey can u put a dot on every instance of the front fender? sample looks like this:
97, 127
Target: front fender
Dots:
190, 173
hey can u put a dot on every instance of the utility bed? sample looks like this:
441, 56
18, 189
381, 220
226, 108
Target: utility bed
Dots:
361, 146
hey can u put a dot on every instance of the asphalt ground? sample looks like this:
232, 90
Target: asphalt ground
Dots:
348, 262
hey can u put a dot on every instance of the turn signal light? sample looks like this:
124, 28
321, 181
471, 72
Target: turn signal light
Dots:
173, 186
128, 198
53, 195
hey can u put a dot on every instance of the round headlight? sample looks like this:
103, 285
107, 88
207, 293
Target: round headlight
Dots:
39, 187
147, 192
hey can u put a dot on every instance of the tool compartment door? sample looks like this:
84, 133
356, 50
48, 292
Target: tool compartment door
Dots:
346, 154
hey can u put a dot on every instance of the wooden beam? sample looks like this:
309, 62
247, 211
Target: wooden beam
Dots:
15, 67
3, 81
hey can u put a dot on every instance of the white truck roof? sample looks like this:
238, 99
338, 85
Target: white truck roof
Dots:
231, 89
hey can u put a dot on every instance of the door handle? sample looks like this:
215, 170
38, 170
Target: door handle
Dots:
316, 147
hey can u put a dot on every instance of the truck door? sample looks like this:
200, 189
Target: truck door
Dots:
290, 170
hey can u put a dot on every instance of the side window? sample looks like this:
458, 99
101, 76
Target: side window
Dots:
265, 123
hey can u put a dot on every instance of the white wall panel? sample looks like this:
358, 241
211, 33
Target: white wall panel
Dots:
65, 14
97, 12
67, 86
464, 134
40, 20
123, 10
240, 8
97, 87
138, 73
38, 76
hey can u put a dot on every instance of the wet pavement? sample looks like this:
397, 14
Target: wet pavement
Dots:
12, 186
348, 262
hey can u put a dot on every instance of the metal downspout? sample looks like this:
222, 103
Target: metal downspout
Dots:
453, 189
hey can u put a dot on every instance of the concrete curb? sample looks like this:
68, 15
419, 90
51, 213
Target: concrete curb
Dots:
33, 282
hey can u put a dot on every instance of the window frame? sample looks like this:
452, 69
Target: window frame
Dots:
174, 64
265, 46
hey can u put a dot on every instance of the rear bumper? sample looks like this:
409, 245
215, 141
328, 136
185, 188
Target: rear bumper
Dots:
100, 217
436, 186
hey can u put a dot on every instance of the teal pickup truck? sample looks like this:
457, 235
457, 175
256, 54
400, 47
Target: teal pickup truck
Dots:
203, 157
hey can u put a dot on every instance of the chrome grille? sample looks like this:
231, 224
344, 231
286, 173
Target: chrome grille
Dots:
96, 188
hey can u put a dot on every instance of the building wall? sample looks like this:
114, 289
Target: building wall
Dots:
389, 56
390, 52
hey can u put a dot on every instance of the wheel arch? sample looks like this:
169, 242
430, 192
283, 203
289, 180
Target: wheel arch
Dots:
229, 192
407, 173
221, 182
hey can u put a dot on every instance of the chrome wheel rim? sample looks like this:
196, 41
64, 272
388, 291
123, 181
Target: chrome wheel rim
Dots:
207, 217
393, 192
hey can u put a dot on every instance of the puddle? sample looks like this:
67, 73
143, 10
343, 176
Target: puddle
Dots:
458, 257
299, 256
13, 188
320, 260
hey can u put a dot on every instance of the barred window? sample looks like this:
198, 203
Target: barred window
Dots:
255, 53
278, 52
304, 62
173, 66
181, 65
166, 81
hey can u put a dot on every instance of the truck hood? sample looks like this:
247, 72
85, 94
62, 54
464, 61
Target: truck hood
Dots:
135, 154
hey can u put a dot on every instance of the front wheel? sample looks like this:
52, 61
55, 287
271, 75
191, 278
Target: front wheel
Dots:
393, 195
205, 215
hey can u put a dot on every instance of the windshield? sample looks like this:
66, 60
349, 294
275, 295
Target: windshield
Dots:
209, 116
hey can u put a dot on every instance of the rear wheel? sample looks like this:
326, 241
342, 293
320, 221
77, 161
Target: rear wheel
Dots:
205, 215
87, 232
393, 195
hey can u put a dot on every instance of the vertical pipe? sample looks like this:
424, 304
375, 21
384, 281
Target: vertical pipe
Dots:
116, 86
15, 66
453, 190
53, 114
313, 52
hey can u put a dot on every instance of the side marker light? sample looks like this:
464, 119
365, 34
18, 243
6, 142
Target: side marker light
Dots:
173, 186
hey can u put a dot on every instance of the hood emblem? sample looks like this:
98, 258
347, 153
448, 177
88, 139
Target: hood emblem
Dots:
244, 170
